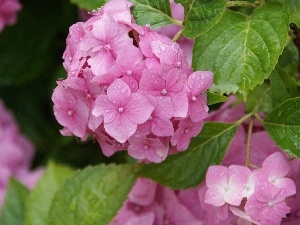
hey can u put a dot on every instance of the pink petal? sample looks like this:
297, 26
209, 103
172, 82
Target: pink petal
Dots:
216, 176
121, 128
118, 93
276, 165
215, 197
162, 127
106, 108
138, 109
200, 81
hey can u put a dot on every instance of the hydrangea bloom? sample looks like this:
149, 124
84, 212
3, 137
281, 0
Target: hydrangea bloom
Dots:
8, 12
16, 154
129, 87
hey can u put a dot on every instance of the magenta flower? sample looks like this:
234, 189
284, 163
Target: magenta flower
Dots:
122, 110
186, 130
159, 122
70, 112
152, 149
8, 12
104, 43
152, 83
198, 83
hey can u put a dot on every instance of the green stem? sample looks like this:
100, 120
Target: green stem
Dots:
248, 142
177, 35
242, 4
176, 22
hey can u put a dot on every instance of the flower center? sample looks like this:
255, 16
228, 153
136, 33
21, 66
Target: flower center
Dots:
70, 112
146, 147
178, 64
164, 91
120, 109
107, 47
129, 72
194, 98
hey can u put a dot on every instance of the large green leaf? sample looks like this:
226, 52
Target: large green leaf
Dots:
242, 51
283, 86
89, 5
92, 196
201, 15
294, 8
187, 169
283, 125
156, 13
12, 212
39, 201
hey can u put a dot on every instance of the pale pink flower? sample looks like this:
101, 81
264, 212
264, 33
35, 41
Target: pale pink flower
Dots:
267, 204
225, 185
277, 168
185, 132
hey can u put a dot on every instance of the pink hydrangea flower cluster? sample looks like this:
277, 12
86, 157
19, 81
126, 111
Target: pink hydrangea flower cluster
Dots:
16, 153
8, 12
129, 87
258, 196
232, 193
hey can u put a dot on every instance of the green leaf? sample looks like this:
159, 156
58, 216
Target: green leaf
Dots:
289, 60
259, 99
201, 15
39, 201
283, 86
92, 196
89, 5
213, 98
242, 51
294, 9
283, 125
156, 13
13, 208
187, 169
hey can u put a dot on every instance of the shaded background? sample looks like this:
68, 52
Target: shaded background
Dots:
30, 63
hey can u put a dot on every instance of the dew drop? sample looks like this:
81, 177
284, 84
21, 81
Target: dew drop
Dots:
162, 47
159, 153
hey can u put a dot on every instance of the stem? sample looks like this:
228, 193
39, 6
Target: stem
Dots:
177, 35
176, 22
242, 4
248, 142
244, 118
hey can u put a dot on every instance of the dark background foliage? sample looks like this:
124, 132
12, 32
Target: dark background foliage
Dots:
30, 63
